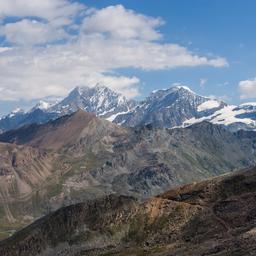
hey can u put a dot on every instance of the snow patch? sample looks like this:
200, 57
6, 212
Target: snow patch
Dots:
113, 117
184, 87
17, 110
248, 104
210, 104
225, 116
43, 105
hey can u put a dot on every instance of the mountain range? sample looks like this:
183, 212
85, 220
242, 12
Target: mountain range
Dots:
166, 108
79, 157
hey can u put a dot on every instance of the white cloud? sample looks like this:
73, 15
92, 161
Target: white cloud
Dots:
247, 89
111, 38
46, 25
121, 23
141, 54
59, 12
31, 32
55, 71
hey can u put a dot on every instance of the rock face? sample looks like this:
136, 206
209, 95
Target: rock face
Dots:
213, 217
91, 157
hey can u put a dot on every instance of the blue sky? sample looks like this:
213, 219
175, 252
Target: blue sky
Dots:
207, 45
225, 28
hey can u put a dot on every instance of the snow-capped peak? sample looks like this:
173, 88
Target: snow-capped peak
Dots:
98, 99
175, 106
184, 87
17, 110
43, 105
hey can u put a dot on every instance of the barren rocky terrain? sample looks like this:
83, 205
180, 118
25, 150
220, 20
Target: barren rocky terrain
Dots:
212, 217
81, 157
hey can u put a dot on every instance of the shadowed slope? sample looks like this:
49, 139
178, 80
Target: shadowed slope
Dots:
56, 134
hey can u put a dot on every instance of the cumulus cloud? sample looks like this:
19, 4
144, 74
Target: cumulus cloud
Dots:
247, 89
66, 44
59, 12
118, 22
31, 32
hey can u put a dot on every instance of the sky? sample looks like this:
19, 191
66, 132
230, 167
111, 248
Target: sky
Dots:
49, 47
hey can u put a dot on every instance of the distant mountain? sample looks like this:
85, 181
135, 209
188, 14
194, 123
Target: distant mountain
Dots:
166, 108
170, 107
212, 217
38, 114
180, 106
99, 100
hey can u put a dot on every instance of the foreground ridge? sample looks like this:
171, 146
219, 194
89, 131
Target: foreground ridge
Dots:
212, 217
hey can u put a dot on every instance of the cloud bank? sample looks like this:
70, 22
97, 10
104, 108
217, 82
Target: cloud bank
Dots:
51, 46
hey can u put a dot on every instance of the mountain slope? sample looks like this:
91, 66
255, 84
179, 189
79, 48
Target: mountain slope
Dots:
61, 132
213, 217
94, 158
140, 162
169, 108
200, 150
35, 186
22, 170
99, 100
